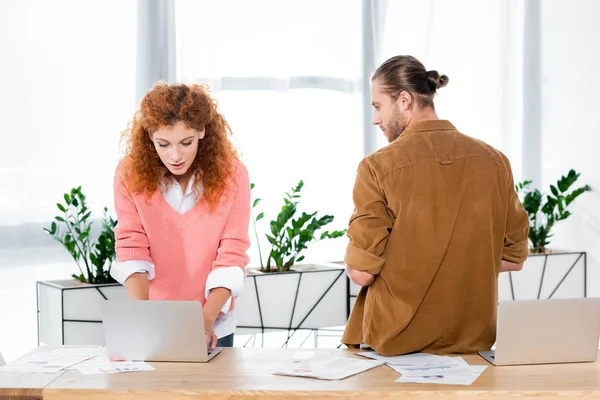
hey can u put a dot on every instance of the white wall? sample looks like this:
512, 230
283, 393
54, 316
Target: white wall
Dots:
571, 119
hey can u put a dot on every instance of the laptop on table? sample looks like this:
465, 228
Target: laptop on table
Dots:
546, 332
147, 330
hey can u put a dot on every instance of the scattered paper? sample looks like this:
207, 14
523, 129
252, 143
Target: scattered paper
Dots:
115, 367
88, 360
460, 378
44, 362
411, 360
100, 357
330, 368
430, 368
457, 367
98, 360
303, 355
87, 352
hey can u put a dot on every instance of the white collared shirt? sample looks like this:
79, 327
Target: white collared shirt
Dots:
231, 278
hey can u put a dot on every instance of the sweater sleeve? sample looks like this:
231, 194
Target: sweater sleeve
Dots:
228, 269
121, 270
131, 242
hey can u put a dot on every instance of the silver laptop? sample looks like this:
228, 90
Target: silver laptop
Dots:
546, 332
155, 331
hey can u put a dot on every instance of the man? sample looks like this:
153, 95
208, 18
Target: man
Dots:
436, 219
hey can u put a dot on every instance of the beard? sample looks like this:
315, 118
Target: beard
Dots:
395, 127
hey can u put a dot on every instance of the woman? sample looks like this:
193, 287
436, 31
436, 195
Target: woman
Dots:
182, 199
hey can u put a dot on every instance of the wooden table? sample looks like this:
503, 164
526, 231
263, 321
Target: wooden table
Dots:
239, 373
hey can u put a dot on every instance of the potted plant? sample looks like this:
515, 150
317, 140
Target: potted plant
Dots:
282, 293
546, 271
69, 310
546, 212
290, 236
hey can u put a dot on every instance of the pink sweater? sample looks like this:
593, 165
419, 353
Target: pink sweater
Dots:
184, 248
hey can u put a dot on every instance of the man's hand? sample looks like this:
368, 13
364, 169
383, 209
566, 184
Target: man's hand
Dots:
508, 266
361, 278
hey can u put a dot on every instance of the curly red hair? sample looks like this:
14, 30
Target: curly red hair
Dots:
166, 105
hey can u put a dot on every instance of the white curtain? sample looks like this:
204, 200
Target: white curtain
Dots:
287, 76
479, 45
291, 77
67, 90
293, 80
67, 74
569, 93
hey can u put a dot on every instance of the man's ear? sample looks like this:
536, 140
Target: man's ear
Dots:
405, 100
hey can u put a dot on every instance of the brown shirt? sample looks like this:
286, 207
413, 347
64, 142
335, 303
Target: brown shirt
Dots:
435, 213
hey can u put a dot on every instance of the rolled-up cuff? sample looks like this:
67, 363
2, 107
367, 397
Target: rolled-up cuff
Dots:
363, 260
516, 253
231, 278
121, 270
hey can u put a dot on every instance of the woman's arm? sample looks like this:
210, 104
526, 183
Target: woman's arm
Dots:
227, 275
137, 286
133, 267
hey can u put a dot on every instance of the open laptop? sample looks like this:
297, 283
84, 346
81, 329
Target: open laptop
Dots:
546, 332
155, 331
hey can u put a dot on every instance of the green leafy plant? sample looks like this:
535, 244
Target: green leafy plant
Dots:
290, 236
93, 258
546, 209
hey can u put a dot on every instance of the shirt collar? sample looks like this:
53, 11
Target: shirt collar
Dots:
431, 125
167, 176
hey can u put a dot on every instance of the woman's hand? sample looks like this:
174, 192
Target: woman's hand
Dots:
216, 299
211, 338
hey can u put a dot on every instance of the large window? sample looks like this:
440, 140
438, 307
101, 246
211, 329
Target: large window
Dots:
67, 73
287, 77
479, 45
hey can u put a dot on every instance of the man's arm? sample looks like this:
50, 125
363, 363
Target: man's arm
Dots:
359, 277
507, 266
517, 226
369, 228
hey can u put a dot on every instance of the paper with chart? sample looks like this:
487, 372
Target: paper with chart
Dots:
101, 364
459, 374
410, 360
430, 368
44, 362
114, 367
327, 367
89, 360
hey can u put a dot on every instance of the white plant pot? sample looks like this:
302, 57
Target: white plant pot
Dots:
552, 275
311, 296
69, 312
